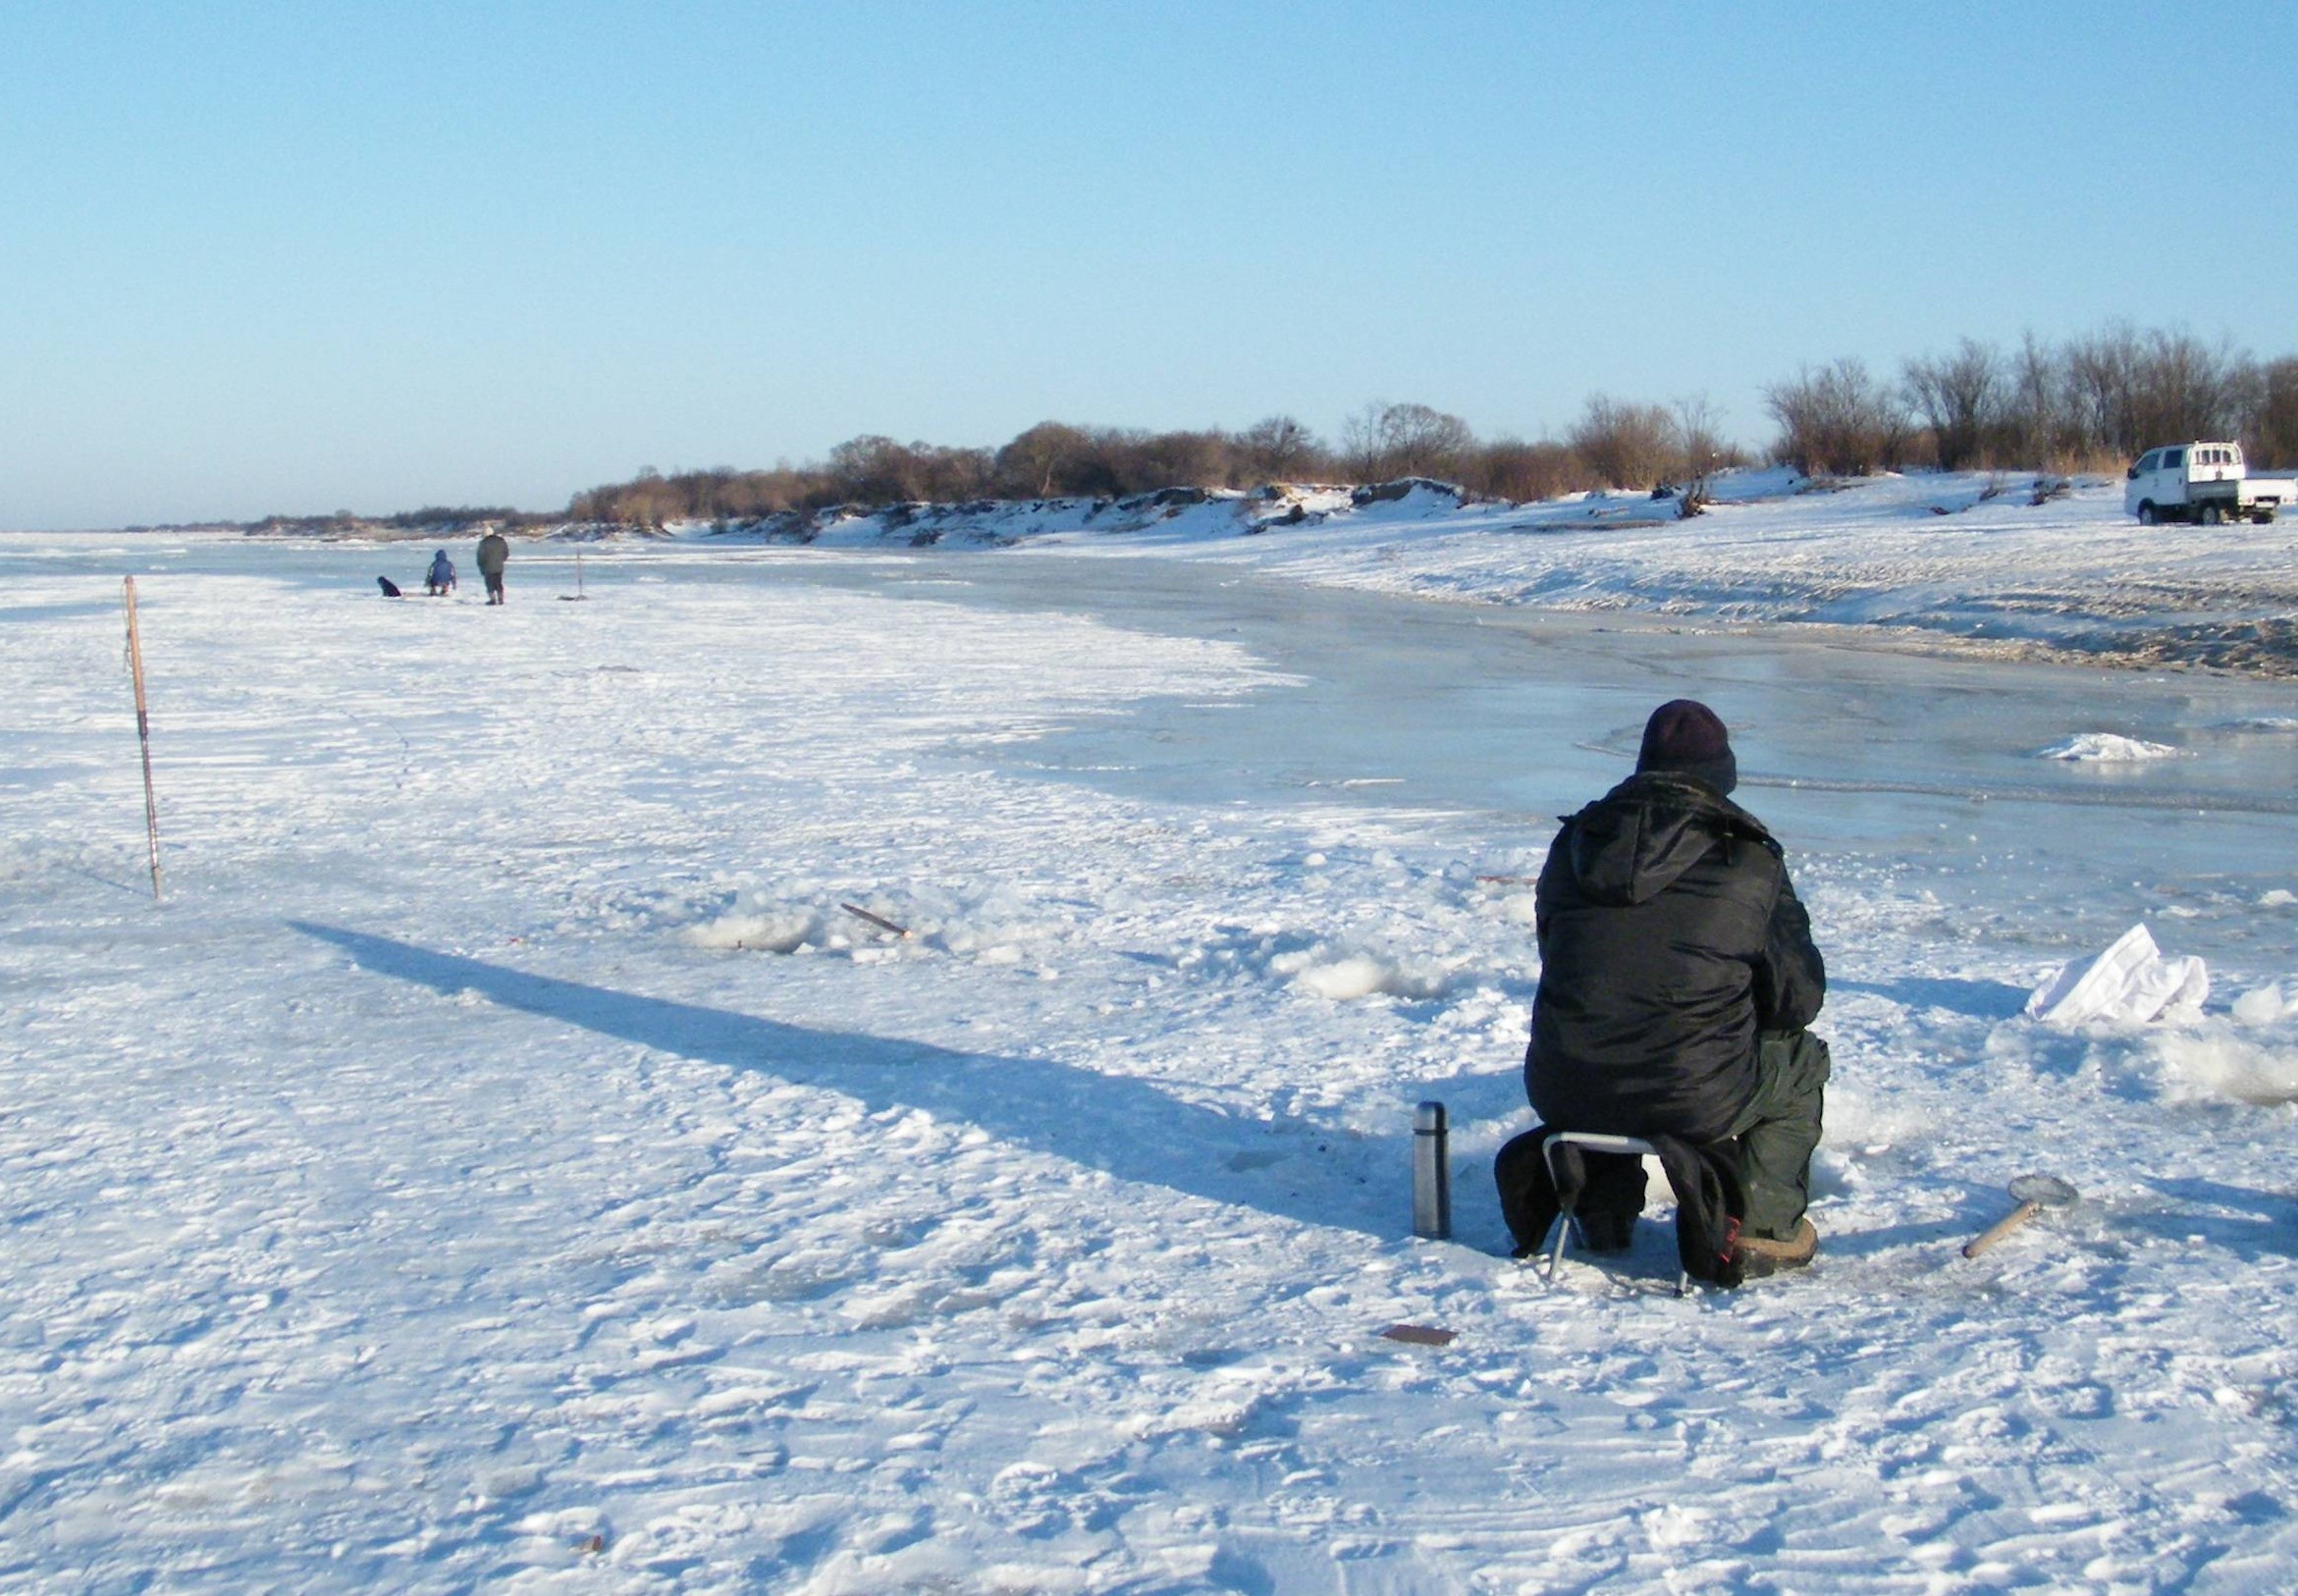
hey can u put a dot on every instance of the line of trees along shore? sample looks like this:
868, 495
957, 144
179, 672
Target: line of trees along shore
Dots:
2088, 403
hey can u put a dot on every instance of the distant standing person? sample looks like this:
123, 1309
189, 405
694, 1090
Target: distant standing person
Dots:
493, 555
441, 579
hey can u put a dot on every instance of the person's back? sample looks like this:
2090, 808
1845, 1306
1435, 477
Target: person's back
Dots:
441, 576
1678, 975
1655, 916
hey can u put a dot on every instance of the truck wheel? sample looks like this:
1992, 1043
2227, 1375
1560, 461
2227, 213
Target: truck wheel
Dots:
2147, 516
2264, 518
2212, 516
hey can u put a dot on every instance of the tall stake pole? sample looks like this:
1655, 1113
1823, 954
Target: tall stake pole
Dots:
151, 807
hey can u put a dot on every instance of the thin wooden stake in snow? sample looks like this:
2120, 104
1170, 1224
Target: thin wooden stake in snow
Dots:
875, 920
151, 807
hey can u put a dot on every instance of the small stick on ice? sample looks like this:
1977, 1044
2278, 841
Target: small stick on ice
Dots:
2033, 1193
875, 920
1421, 1334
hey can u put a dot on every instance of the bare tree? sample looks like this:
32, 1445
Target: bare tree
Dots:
1627, 445
1838, 419
1279, 447
1960, 397
1405, 441
876, 471
1700, 439
2272, 434
2186, 389
2036, 429
1031, 464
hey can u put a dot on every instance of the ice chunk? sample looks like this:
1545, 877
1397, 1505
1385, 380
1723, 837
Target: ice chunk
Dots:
1348, 977
776, 931
2266, 1005
2212, 1062
2131, 983
2107, 747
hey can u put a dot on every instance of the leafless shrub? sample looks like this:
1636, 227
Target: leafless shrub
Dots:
1700, 438
2273, 433
1838, 419
1384, 441
1512, 469
1033, 464
1278, 448
1628, 445
1960, 397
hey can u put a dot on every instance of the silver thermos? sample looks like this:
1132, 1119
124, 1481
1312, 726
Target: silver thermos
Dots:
1431, 1175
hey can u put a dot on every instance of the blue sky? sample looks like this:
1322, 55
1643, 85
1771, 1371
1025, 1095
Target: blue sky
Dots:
309, 256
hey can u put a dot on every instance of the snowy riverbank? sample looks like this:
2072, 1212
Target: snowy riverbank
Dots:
2008, 566
502, 1144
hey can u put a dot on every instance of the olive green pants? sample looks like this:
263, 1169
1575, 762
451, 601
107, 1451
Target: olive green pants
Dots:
1779, 1129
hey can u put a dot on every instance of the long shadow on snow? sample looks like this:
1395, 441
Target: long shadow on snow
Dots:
1124, 1127
2249, 1224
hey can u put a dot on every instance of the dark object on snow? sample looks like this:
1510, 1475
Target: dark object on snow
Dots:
390, 588
1763, 1257
1421, 1334
1686, 736
1431, 1174
1670, 940
874, 920
1678, 973
493, 555
1607, 1191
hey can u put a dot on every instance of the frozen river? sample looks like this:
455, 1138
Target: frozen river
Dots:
1493, 720
1507, 718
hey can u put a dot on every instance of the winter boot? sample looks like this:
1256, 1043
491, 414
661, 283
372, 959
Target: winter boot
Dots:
1761, 1256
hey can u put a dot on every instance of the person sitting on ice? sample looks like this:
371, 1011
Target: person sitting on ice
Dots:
441, 580
1677, 978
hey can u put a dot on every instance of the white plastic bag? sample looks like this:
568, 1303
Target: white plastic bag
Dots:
2131, 983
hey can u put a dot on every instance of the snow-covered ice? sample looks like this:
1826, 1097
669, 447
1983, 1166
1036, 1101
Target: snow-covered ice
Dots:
500, 1161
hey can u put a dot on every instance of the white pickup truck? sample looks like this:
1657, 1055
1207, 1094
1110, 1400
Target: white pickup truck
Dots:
2201, 482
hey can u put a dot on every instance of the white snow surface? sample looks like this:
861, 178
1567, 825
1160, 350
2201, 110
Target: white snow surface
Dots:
500, 1161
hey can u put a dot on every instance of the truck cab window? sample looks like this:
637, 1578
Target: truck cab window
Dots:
2172, 459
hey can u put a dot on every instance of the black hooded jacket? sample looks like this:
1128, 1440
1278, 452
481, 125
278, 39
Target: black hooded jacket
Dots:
1669, 938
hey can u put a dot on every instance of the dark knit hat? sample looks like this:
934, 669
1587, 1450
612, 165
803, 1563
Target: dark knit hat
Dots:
1685, 736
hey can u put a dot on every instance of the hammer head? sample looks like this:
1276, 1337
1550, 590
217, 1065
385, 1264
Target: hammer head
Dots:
2044, 1191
